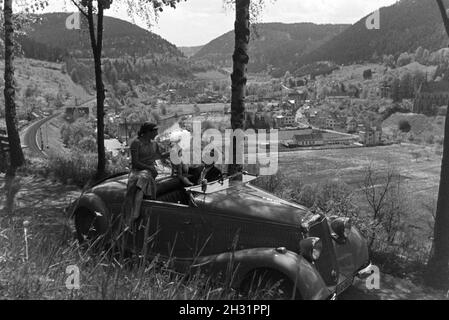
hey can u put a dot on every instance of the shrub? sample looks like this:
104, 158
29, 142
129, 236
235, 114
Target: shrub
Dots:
367, 74
73, 167
274, 183
73, 133
404, 126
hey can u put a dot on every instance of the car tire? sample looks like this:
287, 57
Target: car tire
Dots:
265, 284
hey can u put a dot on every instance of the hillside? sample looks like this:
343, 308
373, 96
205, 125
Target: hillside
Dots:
276, 44
190, 51
404, 27
120, 38
42, 87
423, 129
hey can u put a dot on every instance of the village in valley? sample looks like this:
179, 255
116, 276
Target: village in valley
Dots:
347, 106
359, 117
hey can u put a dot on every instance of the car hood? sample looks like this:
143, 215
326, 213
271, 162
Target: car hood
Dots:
248, 202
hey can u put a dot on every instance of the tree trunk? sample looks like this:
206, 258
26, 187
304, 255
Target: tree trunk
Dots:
97, 48
438, 265
240, 60
16, 154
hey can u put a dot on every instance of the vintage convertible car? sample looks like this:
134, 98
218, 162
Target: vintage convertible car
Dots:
232, 222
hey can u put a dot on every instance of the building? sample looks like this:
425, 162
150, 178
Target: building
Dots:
431, 95
331, 123
316, 119
74, 113
351, 124
385, 91
315, 138
289, 134
286, 120
370, 136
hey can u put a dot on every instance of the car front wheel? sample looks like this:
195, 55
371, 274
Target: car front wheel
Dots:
268, 285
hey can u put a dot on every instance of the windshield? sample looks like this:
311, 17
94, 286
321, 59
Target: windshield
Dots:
230, 182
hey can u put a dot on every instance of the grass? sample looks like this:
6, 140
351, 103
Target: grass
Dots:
53, 254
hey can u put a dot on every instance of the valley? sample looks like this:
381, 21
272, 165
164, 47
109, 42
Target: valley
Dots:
360, 116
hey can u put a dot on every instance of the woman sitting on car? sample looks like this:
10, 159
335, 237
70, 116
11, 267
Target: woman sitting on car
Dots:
141, 181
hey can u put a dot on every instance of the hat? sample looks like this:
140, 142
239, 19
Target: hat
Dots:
147, 127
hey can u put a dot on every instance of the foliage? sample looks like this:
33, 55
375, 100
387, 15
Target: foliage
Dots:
410, 25
122, 39
404, 126
73, 133
367, 74
77, 168
294, 39
404, 59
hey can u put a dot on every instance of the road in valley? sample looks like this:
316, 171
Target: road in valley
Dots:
29, 136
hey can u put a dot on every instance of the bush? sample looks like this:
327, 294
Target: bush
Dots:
275, 184
367, 74
73, 167
73, 133
333, 197
404, 126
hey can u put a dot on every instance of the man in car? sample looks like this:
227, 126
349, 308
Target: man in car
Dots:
206, 173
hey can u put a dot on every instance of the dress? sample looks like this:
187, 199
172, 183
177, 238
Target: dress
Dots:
141, 179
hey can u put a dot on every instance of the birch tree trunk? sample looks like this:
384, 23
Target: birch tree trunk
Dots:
16, 154
96, 37
240, 60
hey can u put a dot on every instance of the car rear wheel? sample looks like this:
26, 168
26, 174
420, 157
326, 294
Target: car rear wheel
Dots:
268, 285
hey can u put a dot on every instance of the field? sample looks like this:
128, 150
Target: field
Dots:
212, 75
419, 176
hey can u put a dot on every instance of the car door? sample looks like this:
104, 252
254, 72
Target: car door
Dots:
171, 228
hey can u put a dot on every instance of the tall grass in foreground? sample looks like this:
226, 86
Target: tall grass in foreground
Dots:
35, 257
42, 275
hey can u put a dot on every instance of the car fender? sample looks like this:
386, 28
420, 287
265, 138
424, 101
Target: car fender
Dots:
353, 254
295, 267
95, 204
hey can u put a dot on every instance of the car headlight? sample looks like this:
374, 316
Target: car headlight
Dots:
311, 248
341, 228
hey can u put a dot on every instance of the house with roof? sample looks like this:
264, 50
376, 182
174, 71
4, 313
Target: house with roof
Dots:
309, 138
370, 135
351, 125
285, 120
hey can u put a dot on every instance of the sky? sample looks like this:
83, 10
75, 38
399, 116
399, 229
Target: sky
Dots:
196, 22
